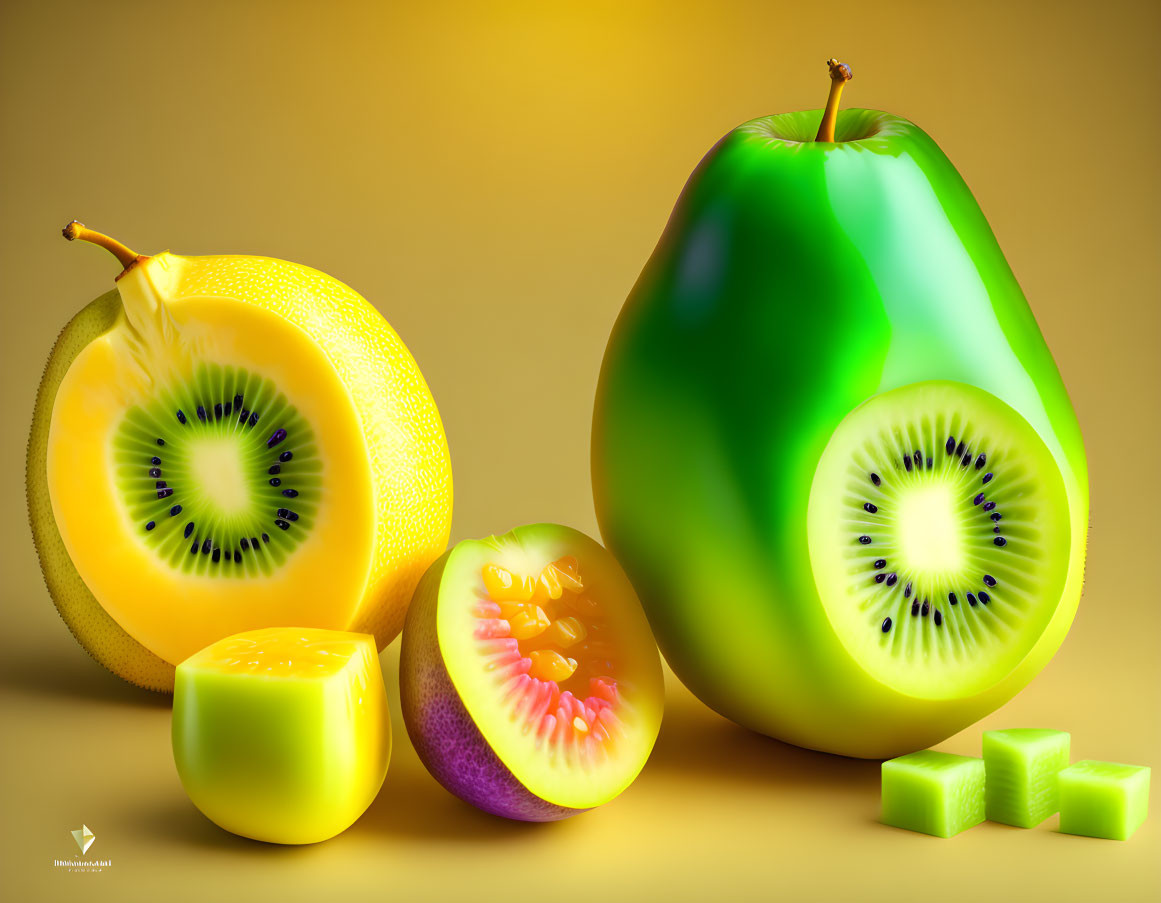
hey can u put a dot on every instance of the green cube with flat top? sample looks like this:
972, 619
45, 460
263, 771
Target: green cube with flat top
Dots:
1022, 765
1103, 799
933, 792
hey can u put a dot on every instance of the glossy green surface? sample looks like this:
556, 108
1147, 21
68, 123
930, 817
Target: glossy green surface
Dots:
794, 281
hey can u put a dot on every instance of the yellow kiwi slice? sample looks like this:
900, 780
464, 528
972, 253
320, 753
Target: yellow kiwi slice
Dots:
237, 443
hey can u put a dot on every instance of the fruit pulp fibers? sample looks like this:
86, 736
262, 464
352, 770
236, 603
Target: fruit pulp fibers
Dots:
544, 641
221, 474
559, 655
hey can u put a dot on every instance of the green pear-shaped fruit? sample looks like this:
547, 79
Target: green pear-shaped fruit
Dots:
831, 447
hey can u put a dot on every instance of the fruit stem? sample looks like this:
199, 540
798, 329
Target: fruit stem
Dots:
840, 74
127, 257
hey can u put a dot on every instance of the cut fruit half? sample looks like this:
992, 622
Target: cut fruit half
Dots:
939, 536
239, 443
530, 682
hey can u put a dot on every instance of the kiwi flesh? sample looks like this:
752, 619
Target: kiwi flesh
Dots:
939, 535
221, 473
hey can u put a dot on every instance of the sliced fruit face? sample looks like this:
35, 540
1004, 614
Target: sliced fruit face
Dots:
939, 538
209, 474
546, 646
258, 408
282, 734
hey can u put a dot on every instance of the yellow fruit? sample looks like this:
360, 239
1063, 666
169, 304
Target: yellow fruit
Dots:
230, 443
282, 735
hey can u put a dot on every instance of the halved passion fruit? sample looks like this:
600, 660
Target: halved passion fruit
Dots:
530, 682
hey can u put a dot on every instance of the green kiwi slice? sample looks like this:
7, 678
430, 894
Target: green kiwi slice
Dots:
939, 536
221, 474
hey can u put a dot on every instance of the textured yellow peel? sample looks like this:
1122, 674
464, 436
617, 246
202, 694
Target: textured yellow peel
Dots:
405, 442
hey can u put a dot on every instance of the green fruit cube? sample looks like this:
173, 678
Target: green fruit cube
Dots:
933, 792
1022, 765
1103, 799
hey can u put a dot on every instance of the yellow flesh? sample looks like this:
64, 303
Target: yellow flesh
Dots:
283, 652
539, 624
385, 506
573, 698
102, 637
562, 649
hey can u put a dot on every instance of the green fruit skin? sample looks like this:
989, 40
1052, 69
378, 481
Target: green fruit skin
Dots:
794, 281
94, 628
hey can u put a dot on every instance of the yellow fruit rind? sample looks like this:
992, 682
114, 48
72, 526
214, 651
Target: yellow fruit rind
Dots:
409, 458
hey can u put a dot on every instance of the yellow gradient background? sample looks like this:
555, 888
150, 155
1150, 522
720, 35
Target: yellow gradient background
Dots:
493, 177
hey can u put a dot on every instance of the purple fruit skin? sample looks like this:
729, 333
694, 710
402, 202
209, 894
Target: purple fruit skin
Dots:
441, 730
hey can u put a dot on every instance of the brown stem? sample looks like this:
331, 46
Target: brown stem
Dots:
127, 257
840, 74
